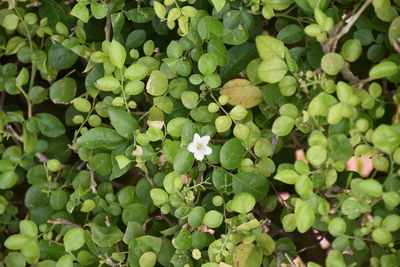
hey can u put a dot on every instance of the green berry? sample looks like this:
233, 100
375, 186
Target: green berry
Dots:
53, 165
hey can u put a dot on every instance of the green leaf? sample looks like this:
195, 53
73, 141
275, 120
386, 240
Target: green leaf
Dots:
218, 49
117, 54
105, 236
210, 27
61, 57
14, 44
268, 46
183, 161
65, 261
272, 70
135, 38
123, 122
207, 63
195, 217
74, 239
371, 187
305, 216
242, 202
282, 126
238, 58
291, 34
52, 10
222, 180
386, 138
80, 11
63, 91
339, 147
149, 243
101, 137
157, 83
101, 163
383, 70
10, 22
252, 183
218, 4
8, 179
287, 176
141, 15
50, 125
247, 254
394, 33
231, 154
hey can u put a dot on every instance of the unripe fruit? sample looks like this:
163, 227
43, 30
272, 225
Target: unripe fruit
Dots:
132, 104
94, 120
223, 123
118, 101
223, 99
212, 107
217, 201
238, 112
53, 165
241, 131
78, 119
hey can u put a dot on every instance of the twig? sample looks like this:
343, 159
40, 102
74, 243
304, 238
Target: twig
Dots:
42, 158
93, 184
290, 260
314, 245
2, 99
107, 29
63, 222
348, 74
330, 46
14, 133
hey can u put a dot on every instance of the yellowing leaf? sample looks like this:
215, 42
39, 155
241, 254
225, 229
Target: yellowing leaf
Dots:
242, 92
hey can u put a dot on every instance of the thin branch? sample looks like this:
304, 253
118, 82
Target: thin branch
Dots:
64, 222
330, 46
42, 158
93, 184
290, 260
107, 29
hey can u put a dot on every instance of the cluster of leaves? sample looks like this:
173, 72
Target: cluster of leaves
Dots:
199, 133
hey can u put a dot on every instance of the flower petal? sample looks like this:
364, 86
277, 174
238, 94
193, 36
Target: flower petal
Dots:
198, 155
204, 140
206, 150
196, 138
192, 147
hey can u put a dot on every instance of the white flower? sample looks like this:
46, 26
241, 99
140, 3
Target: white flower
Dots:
199, 146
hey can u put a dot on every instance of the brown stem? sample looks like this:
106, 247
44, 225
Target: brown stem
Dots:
330, 46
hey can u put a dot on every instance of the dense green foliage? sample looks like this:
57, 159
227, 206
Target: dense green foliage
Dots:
199, 133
